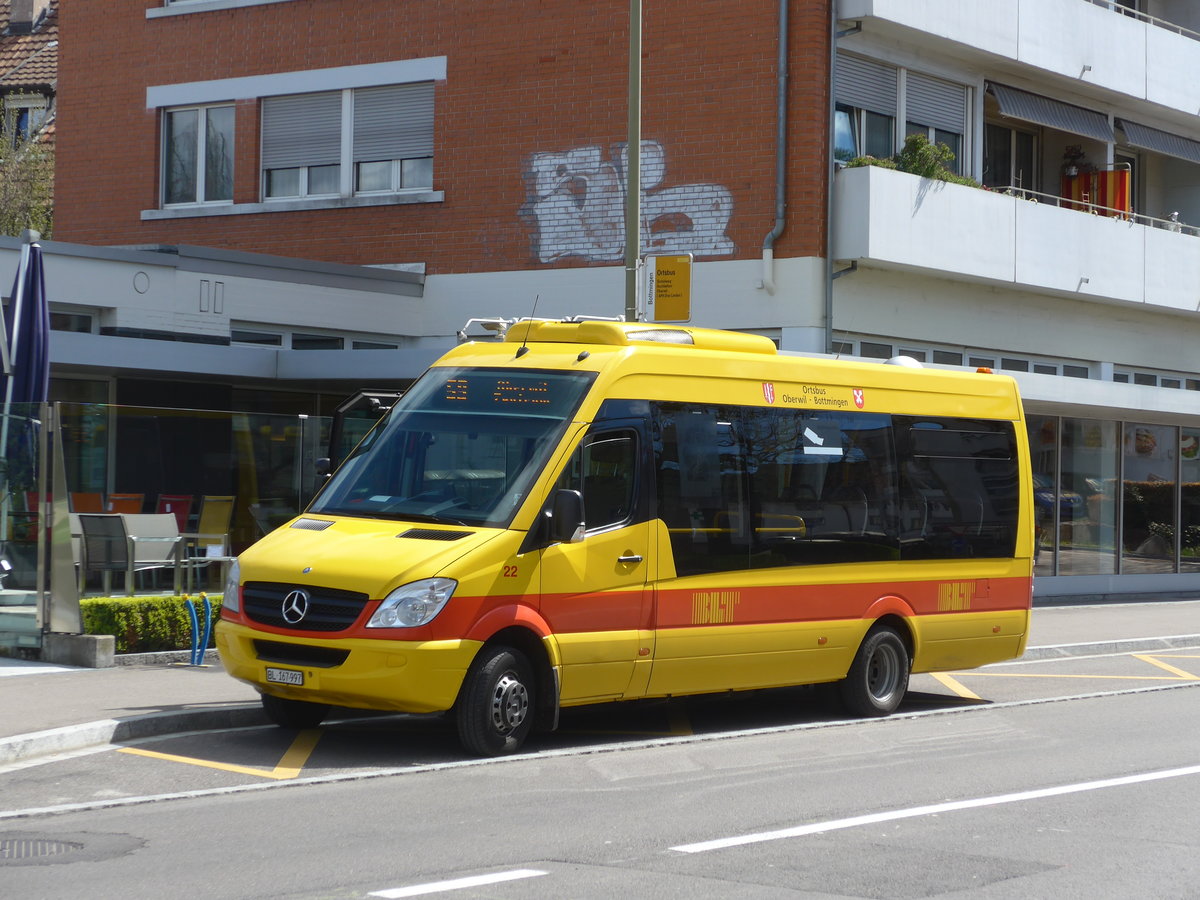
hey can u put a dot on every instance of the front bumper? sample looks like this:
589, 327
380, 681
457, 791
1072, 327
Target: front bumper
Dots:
398, 676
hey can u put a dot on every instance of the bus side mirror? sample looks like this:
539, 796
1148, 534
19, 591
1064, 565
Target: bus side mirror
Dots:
566, 517
322, 467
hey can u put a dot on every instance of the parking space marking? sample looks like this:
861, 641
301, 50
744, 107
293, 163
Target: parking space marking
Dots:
1157, 661
289, 767
955, 685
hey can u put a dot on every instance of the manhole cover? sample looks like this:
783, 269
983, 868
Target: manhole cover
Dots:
34, 848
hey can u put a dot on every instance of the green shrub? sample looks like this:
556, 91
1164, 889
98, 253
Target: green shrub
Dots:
919, 157
145, 624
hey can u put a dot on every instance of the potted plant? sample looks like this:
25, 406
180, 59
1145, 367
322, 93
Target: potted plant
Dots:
1073, 160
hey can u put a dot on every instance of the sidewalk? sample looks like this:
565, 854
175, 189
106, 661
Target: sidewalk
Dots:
52, 709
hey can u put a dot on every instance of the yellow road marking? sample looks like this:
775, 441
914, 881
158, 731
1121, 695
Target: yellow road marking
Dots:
1187, 676
956, 686
289, 767
1095, 677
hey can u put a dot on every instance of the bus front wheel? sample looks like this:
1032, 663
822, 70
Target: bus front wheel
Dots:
496, 706
878, 677
294, 713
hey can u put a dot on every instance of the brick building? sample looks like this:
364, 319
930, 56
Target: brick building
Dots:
252, 192
503, 154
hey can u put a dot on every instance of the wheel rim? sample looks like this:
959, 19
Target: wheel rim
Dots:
510, 704
883, 673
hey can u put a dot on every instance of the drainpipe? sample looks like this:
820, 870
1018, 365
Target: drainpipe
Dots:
768, 257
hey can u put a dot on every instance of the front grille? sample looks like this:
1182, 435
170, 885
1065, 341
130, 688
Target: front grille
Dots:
432, 534
329, 609
300, 654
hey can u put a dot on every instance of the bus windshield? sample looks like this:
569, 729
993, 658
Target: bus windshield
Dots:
462, 446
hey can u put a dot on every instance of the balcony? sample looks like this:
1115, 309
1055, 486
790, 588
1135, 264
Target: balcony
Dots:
893, 219
1083, 41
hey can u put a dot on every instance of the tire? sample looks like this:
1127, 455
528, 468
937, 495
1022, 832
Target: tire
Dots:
878, 677
496, 706
294, 713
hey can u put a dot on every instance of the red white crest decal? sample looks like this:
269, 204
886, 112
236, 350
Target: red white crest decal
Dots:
769, 391
859, 399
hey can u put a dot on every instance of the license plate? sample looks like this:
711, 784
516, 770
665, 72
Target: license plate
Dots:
285, 676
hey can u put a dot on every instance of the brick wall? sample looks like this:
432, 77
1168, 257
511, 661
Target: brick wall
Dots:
533, 91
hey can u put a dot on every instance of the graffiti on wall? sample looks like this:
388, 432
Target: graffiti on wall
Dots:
576, 203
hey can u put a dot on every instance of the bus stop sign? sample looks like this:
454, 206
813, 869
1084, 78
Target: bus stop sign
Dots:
669, 288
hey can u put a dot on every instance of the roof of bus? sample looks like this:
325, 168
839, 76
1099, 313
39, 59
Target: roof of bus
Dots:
624, 349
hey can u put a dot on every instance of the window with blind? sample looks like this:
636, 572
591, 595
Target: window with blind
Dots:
871, 96
938, 110
372, 140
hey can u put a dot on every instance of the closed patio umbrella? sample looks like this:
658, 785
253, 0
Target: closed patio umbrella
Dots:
25, 378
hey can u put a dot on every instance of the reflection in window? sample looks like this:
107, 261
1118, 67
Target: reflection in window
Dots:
1087, 498
1150, 487
602, 470
198, 155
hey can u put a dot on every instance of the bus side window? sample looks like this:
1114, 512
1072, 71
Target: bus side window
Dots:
959, 478
603, 470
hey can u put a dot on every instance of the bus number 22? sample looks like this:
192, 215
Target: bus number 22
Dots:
510, 571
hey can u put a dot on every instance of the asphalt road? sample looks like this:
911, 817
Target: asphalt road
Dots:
1028, 796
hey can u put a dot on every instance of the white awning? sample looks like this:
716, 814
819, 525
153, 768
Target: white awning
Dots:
1029, 107
1160, 141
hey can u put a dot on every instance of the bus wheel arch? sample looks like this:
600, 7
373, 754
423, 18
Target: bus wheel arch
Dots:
878, 677
509, 689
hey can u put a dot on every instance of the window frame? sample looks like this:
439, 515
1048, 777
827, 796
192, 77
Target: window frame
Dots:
348, 166
201, 146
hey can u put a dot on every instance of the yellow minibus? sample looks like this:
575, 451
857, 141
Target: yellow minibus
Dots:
596, 511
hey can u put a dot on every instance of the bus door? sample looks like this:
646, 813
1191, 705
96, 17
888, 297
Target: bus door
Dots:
593, 590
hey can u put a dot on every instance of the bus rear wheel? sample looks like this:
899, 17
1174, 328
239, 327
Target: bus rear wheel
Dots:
294, 713
878, 677
497, 703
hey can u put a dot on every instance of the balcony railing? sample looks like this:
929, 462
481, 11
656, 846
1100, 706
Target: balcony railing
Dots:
1144, 17
1170, 223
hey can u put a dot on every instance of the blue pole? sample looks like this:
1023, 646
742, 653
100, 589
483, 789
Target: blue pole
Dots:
199, 655
191, 608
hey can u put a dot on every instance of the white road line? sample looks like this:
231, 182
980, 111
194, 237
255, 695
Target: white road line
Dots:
933, 809
543, 755
457, 884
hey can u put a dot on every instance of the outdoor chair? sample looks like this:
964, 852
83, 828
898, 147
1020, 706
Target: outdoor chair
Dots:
125, 503
87, 502
104, 549
210, 542
137, 542
180, 505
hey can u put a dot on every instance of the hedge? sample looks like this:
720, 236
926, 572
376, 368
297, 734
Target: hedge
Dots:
145, 624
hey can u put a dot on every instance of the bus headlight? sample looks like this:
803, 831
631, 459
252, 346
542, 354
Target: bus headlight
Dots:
413, 604
232, 600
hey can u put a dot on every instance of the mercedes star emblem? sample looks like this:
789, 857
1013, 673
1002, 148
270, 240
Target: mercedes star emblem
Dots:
295, 606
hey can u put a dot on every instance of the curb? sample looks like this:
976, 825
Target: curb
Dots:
107, 731
1129, 645
164, 657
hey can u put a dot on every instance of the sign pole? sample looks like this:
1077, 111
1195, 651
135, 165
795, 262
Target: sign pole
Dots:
633, 149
